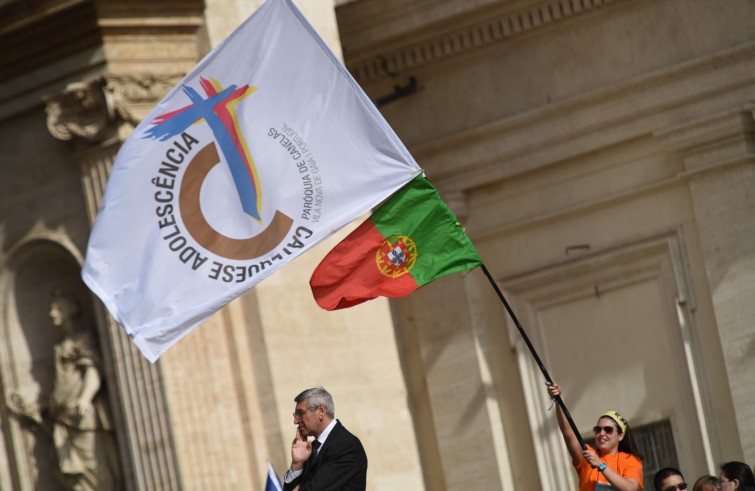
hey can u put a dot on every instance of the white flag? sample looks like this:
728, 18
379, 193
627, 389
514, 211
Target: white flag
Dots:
266, 148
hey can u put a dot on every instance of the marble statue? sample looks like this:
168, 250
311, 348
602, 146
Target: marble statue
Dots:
75, 414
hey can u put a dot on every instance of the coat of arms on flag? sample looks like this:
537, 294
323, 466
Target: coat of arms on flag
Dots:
397, 256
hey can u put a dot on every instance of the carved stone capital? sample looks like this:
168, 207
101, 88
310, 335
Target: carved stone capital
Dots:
82, 110
102, 107
144, 88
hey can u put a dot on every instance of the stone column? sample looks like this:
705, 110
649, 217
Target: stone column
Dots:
96, 115
719, 157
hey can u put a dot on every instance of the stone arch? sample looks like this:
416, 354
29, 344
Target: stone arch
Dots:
35, 268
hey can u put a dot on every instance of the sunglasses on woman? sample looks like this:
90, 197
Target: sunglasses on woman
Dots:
674, 487
608, 429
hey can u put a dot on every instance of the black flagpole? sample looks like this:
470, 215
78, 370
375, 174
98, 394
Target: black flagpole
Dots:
558, 399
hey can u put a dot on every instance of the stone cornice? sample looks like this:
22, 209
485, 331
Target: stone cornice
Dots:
143, 15
20, 15
479, 29
47, 44
711, 131
712, 142
603, 117
34, 34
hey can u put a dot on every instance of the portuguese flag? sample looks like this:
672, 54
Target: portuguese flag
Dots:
412, 239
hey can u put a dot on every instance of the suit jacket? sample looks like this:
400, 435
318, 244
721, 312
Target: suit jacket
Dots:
340, 465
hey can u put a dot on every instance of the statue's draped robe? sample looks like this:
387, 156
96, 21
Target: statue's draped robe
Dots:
84, 444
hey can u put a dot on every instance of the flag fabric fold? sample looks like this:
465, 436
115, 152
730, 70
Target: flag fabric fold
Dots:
411, 240
272, 483
263, 150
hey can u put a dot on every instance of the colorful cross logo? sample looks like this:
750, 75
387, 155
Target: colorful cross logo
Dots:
218, 111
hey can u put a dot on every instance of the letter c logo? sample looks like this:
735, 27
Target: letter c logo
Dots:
202, 231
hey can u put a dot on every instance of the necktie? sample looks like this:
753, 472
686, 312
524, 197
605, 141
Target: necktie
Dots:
315, 448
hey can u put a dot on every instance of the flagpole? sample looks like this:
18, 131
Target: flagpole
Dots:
558, 399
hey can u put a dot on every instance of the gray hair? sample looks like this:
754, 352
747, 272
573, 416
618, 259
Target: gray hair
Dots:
316, 396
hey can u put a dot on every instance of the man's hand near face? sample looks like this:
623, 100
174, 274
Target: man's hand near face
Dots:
301, 449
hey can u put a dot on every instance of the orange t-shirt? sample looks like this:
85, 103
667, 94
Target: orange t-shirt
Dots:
626, 465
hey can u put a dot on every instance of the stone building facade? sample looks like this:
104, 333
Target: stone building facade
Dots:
75, 76
599, 153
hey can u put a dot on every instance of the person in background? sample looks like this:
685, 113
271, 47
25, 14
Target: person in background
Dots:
669, 479
335, 460
707, 483
736, 475
617, 463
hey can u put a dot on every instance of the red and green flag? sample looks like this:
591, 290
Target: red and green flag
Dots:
411, 240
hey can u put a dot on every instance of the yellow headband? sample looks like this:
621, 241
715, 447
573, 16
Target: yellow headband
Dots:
618, 418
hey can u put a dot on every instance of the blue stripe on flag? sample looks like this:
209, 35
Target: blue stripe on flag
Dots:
273, 483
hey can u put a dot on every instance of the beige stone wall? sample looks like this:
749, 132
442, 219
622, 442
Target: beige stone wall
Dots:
587, 146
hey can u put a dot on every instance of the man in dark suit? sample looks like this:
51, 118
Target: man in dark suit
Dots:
335, 460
